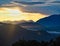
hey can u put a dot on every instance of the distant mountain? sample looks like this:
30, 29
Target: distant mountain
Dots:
52, 22
10, 33
31, 25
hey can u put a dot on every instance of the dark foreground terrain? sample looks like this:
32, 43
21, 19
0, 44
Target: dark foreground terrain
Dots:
53, 42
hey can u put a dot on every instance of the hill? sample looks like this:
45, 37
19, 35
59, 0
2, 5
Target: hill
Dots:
10, 33
51, 23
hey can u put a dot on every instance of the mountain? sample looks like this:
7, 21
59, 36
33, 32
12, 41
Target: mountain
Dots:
9, 33
31, 25
52, 22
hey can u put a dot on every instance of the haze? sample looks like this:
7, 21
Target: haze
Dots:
16, 14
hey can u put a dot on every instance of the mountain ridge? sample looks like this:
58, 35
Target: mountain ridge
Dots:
52, 23
50, 20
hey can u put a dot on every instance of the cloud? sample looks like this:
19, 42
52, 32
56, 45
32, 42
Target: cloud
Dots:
52, 9
35, 6
9, 1
29, 2
39, 2
35, 0
43, 0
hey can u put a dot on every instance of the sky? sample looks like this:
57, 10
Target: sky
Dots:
32, 11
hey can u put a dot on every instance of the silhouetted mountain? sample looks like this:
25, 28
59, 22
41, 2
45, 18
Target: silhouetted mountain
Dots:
52, 22
10, 33
17, 22
24, 21
31, 25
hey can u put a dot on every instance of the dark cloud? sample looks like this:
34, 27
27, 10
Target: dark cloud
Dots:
53, 9
55, 2
30, 3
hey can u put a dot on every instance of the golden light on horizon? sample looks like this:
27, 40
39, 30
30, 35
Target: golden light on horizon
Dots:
15, 14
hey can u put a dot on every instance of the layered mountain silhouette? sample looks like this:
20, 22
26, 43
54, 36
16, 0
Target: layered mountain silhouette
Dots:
9, 33
31, 25
52, 22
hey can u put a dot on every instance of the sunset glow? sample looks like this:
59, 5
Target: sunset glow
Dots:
15, 14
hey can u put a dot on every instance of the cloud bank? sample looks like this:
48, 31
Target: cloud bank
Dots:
35, 6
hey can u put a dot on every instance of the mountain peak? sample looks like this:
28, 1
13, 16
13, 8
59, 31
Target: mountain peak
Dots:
55, 15
53, 20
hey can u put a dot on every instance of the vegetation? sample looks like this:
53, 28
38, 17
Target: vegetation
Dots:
55, 42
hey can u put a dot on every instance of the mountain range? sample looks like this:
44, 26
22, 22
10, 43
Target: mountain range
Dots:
10, 33
52, 22
29, 30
